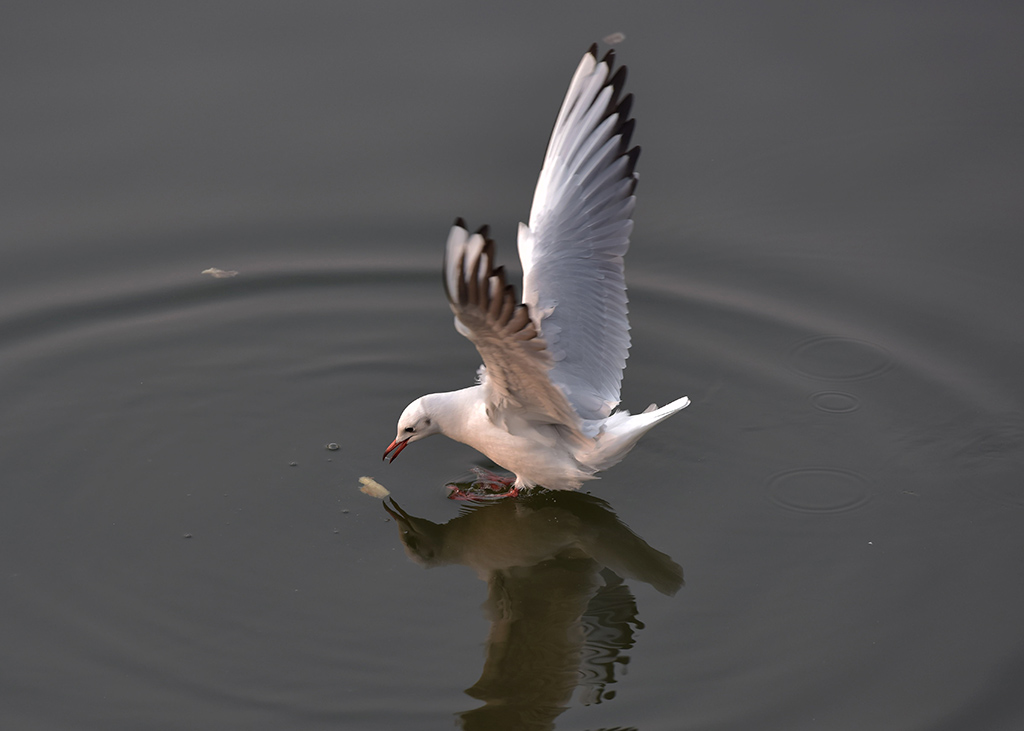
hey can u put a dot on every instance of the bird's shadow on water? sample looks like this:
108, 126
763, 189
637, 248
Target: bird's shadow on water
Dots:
561, 614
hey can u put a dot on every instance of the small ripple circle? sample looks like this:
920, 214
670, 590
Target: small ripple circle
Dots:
840, 359
819, 490
835, 402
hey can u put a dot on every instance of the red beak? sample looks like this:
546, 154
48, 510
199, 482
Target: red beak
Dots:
395, 449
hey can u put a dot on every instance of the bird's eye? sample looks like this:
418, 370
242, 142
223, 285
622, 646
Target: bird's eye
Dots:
409, 430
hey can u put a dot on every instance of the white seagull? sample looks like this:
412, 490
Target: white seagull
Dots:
552, 365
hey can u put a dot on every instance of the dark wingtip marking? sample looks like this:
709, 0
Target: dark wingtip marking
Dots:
488, 251
624, 108
593, 50
460, 223
473, 280
484, 231
461, 290
626, 130
617, 82
495, 304
482, 286
634, 155
609, 58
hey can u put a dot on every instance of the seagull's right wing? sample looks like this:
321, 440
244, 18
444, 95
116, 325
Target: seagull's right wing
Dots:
515, 358
573, 278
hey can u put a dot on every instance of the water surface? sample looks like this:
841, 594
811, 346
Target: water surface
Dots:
826, 260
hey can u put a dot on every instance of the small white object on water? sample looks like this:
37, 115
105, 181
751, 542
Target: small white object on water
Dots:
373, 488
219, 273
614, 38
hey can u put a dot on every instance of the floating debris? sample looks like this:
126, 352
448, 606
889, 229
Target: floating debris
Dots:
373, 488
219, 273
614, 38
333, 446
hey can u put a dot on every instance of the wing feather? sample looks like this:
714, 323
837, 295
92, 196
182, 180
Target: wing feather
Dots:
516, 359
580, 223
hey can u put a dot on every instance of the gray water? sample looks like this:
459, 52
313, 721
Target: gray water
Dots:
826, 259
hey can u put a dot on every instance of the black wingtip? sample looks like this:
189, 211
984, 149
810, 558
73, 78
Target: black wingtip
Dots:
593, 50
624, 108
634, 155
618, 80
484, 231
609, 57
460, 223
626, 130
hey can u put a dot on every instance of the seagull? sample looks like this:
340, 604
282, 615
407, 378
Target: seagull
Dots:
543, 405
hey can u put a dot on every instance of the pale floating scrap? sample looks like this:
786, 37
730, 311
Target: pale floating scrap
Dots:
614, 38
219, 273
373, 488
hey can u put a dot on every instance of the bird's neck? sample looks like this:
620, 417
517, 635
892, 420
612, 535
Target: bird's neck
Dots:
455, 411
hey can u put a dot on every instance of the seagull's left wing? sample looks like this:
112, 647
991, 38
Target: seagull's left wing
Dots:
486, 311
573, 277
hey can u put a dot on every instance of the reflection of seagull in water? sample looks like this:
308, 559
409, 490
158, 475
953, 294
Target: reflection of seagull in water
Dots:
546, 525
560, 614
553, 364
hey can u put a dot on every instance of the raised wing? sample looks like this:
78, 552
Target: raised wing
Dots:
515, 358
573, 278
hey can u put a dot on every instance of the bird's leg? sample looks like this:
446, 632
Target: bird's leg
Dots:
491, 481
485, 485
457, 493
511, 492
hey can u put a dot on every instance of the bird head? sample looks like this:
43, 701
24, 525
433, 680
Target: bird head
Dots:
415, 423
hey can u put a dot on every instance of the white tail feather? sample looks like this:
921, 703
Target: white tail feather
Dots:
623, 430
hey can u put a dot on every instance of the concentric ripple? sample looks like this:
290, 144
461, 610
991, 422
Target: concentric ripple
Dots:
835, 402
840, 359
819, 490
